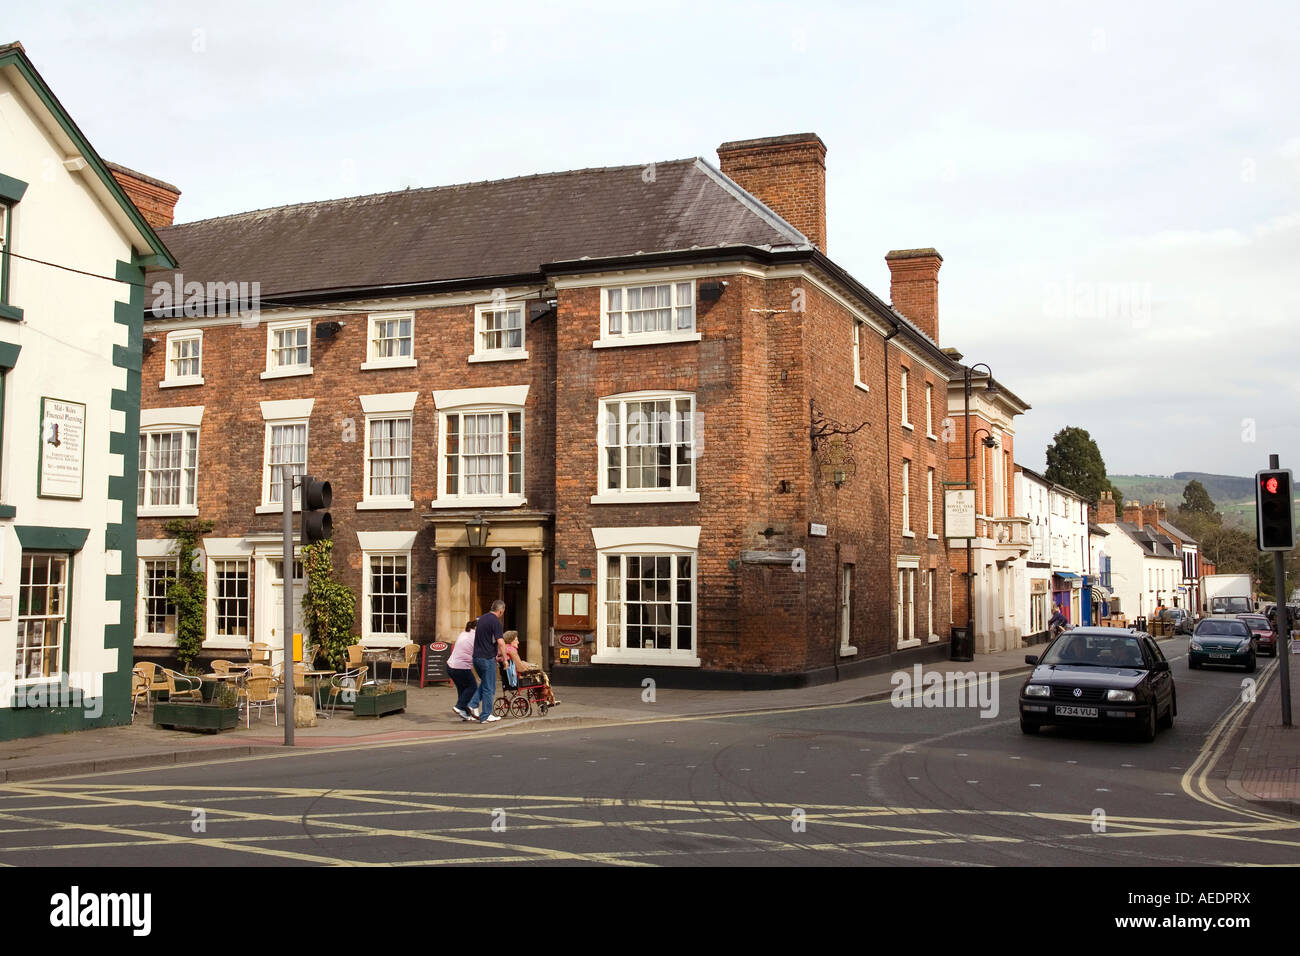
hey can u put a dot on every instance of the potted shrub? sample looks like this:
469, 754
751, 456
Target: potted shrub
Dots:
375, 700
222, 713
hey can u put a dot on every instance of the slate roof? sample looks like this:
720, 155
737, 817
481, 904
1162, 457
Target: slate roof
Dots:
507, 227
1153, 544
1173, 532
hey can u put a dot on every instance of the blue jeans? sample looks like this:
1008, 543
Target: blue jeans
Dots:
466, 686
486, 695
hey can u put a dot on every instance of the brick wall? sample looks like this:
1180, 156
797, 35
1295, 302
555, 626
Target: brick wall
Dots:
233, 430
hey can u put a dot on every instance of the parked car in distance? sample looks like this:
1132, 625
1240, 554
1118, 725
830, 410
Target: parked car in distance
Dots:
1224, 641
1180, 617
1100, 677
1261, 632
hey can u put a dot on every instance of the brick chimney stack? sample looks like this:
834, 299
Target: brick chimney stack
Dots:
155, 199
786, 173
1154, 513
1133, 512
914, 286
1106, 509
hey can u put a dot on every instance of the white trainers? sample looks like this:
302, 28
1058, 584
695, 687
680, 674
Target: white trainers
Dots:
463, 715
489, 718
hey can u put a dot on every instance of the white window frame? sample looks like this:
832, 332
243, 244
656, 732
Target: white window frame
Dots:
929, 506
395, 405
232, 642
929, 594
622, 495
171, 380
858, 326
906, 603
385, 544
504, 353
374, 361
905, 413
907, 499
624, 337
273, 368
674, 542
929, 412
154, 638
503, 401
64, 639
188, 482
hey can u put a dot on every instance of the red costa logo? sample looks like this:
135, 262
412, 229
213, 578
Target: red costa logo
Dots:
570, 640
437, 646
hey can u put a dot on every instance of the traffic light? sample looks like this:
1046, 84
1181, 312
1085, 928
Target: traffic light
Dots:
316, 522
1276, 531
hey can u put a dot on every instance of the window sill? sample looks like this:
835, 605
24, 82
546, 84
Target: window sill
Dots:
862, 385
645, 660
848, 652
385, 641
646, 498
178, 512
932, 437
275, 509
502, 357
180, 382
12, 313
288, 372
933, 537
909, 534
909, 426
513, 501
934, 639
228, 643
388, 363
657, 338
156, 640
379, 504
914, 642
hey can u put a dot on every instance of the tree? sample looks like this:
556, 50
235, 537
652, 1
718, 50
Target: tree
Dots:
1196, 500
1074, 460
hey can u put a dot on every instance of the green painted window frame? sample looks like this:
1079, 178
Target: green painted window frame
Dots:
7, 311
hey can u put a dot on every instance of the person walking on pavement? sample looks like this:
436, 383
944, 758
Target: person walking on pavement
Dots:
460, 665
489, 647
1058, 622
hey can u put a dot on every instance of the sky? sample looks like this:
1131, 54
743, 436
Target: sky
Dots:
1114, 188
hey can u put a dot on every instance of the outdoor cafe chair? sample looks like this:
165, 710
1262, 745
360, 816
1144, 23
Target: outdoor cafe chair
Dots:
259, 691
259, 653
139, 688
181, 686
410, 652
153, 677
348, 681
354, 656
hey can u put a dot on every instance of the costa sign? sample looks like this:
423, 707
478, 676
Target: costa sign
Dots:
570, 640
438, 646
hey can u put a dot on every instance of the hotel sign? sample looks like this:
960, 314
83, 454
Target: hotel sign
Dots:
959, 513
61, 465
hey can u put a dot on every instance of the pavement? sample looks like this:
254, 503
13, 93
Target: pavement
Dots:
1265, 766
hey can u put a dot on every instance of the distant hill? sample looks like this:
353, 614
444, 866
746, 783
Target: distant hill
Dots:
1232, 495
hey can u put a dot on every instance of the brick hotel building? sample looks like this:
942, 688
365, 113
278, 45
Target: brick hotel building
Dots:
700, 444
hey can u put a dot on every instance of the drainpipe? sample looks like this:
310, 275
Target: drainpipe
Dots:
889, 473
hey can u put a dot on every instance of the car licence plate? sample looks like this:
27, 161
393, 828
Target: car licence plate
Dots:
1064, 711
1220, 656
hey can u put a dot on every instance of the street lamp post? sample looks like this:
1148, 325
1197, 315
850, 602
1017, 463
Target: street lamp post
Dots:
963, 649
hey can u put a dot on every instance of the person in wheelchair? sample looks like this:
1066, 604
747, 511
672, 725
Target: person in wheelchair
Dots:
525, 670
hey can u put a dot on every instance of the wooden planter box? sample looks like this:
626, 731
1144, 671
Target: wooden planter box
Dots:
376, 705
188, 715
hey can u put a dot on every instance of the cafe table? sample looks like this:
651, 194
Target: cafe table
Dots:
318, 676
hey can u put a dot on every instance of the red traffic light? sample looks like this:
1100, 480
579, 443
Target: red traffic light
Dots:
1271, 486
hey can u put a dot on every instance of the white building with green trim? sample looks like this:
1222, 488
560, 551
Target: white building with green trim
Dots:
71, 325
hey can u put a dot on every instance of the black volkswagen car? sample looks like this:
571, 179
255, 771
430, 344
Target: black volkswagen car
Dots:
1100, 677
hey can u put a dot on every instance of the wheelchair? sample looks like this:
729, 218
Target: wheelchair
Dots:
517, 699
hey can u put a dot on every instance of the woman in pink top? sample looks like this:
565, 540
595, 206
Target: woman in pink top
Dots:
461, 668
